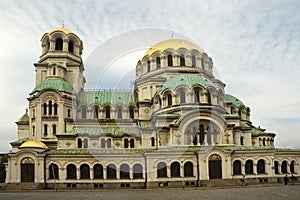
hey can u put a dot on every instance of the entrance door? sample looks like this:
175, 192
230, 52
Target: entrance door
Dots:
27, 170
215, 167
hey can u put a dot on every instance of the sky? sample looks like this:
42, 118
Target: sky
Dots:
254, 45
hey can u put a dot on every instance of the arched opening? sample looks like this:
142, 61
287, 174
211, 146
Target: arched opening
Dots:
208, 98
264, 141
102, 143
182, 96
111, 171
53, 129
169, 99
59, 44
45, 130
237, 167
53, 171
85, 143
132, 143
79, 143
161, 170
71, 171
84, 171
131, 112
107, 113
148, 66
152, 142
182, 60
242, 140
261, 167
126, 143
119, 113
284, 167
50, 108
83, 112
96, 113
170, 60
55, 108
45, 109
71, 47
157, 62
108, 142
292, 167
98, 171
193, 61
249, 167
197, 97
137, 171
188, 169
276, 164
54, 71
27, 170
175, 169
215, 167
124, 171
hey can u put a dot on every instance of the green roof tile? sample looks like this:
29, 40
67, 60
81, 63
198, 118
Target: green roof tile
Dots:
235, 101
19, 141
189, 80
55, 84
106, 97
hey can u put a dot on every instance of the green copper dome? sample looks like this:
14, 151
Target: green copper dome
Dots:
235, 101
55, 84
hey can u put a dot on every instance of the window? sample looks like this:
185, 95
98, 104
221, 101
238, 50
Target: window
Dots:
55, 108
83, 113
237, 167
201, 134
261, 166
33, 131
107, 113
132, 143
208, 97
45, 130
161, 170
54, 71
175, 169
84, 171
264, 141
85, 143
182, 60
131, 113
137, 171
59, 44
182, 97
53, 171
284, 167
197, 97
71, 47
96, 111
124, 171
249, 167
242, 140
126, 143
170, 60
79, 143
98, 171
188, 169
276, 167
202, 63
54, 129
169, 99
111, 171
102, 141
69, 113
50, 108
119, 113
157, 62
240, 112
108, 143
71, 171
152, 141
292, 167
148, 66
193, 61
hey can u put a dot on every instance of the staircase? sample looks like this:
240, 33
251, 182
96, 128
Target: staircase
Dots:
20, 186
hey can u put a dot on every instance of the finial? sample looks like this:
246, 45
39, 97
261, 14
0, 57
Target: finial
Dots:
26, 111
172, 36
63, 24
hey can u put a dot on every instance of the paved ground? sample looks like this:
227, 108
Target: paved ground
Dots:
268, 192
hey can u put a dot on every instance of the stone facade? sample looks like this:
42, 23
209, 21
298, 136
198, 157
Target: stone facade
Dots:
178, 127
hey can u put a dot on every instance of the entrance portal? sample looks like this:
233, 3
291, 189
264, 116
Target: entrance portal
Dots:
27, 170
215, 167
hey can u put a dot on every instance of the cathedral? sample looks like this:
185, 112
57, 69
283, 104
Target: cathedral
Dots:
177, 128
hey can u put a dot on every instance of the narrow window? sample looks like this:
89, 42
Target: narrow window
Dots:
175, 169
292, 167
148, 66
71, 47
96, 111
55, 108
54, 71
98, 171
242, 140
237, 167
33, 131
124, 171
108, 143
69, 113
107, 113
50, 108
188, 169
201, 134
119, 112
131, 113
85, 143
157, 62
197, 97
102, 143
131, 143
182, 97
59, 44
202, 63
79, 143
83, 113
54, 129
249, 167
261, 166
182, 60
169, 97
137, 171
84, 171
126, 143
276, 169
161, 170
284, 167
152, 141
208, 97
71, 171
45, 129
170, 60
193, 61
111, 171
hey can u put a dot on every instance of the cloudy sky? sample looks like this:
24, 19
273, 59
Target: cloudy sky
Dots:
255, 47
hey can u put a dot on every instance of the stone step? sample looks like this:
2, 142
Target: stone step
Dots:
20, 186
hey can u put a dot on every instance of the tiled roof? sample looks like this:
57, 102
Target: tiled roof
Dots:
235, 101
19, 141
56, 84
106, 97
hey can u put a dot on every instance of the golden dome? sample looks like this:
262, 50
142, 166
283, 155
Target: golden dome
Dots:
62, 29
34, 144
173, 44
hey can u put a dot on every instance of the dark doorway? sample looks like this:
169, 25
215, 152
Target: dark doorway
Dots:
215, 167
27, 170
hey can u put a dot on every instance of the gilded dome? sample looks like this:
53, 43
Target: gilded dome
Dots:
173, 44
62, 29
34, 144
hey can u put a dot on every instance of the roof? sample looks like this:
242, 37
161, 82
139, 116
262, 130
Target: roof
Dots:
33, 144
105, 131
19, 141
106, 97
58, 84
235, 101
24, 118
173, 44
189, 80
62, 29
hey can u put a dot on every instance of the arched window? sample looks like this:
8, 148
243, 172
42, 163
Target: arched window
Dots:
83, 112
85, 143
54, 71
152, 141
292, 167
126, 143
96, 111
242, 140
208, 97
188, 169
261, 167
69, 112
59, 44
33, 131
71, 171
276, 164
132, 143
157, 62
98, 171
131, 112
108, 142
182, 97
159, 102
107, 113
240, 112
175, 169
249, 167
84, 171
182, 60
264, 141
169, 99
55, 108
45, 130
71, 47
53, 129
237, 167
170, 60
284, 167
119, 113
137, 171
50, 108
148, 66
193, 61
53, 171
161, 170
79, 143
111, 171
102, 143
201, 134
197, 96
124, 171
